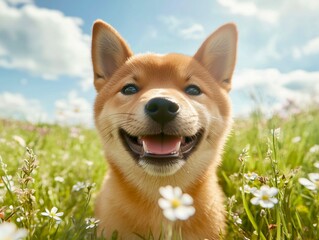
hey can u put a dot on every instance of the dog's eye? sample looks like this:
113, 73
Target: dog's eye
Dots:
193, 90
129, 89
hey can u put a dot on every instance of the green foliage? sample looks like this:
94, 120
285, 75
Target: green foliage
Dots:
65, 169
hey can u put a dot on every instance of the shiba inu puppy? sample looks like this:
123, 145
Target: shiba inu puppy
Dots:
163, 120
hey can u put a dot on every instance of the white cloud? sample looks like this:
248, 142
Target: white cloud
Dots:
15, 105
269, 51
74, 110
16, 2
43, 42
250, 9
183, 28
271, 11
310, 48
195, 31
171, 22
275, 87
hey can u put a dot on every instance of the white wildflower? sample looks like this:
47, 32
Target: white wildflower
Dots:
91, 222
237, 219
316, 164
59, 179
81, 185
19, 140
265, 197
88, 163
9, 231
251, 176
20, 219
175, 203
276, 132
78, 186
248, 189
312, 183
296, 139
53, 214
8, 182
314, 149
232, 200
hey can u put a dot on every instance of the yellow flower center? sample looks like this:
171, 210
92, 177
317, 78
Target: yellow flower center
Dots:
175, 203
265, 198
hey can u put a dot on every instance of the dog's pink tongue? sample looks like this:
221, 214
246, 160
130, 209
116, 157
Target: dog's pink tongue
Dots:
161, 144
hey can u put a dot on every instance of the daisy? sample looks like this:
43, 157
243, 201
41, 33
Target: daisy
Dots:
91, 223
237, 219
276, 132
314, 149
296, 139
176, 205
248, 189
265, 197
312, 183
9, 231
78, 186
53, 214
251, 176
59, 179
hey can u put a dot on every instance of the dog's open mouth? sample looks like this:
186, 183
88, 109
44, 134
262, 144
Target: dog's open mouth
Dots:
160, 147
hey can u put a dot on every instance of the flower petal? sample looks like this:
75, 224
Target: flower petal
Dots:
54, 210
266, 204
169, 214
273, 191
183, 213
167, 192
314, 177
257, 193
164, 203
20, 233
177, 192
7, 229
264, 189
308, 184
59, 214
186, 199
255, 201
57, 218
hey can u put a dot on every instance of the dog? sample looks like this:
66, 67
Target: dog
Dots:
163, 120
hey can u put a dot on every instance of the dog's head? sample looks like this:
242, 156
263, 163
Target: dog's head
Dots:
162, 113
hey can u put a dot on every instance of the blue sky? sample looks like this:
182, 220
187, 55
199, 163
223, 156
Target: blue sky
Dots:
45, 67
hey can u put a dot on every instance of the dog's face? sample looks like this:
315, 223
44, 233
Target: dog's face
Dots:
154, 112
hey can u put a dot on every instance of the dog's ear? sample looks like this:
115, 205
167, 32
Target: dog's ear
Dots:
109, 52
218, 54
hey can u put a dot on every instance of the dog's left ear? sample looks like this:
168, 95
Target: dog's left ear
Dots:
218, 54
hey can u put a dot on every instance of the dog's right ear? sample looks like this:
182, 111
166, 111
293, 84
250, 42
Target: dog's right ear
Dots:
109, 52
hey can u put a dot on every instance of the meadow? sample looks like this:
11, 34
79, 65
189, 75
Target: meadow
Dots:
51, 174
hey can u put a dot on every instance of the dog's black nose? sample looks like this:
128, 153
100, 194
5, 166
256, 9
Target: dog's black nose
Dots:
161, 110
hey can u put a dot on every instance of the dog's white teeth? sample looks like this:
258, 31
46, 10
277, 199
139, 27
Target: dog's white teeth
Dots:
145, 147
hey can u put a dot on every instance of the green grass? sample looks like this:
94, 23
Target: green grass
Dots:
251, 148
